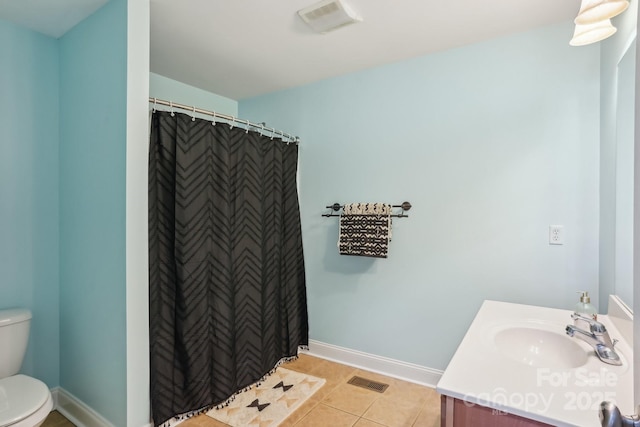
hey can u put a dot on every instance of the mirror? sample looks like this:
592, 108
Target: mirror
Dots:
625, 109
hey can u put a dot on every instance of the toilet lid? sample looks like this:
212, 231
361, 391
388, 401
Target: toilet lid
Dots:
20, 396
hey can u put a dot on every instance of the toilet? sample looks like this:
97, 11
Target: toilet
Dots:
24, 401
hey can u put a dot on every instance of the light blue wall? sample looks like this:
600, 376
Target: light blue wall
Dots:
491, 143
612, 50
29, 190
171, 90
93, 99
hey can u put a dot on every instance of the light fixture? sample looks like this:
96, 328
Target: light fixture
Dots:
591, 33
328, 15
592, 11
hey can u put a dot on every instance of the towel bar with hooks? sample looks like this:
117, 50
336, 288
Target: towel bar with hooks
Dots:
405, 207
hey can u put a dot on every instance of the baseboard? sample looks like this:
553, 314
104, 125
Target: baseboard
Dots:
76, 411
370, 362
54, 396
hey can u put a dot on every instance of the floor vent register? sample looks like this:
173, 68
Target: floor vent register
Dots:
368, 384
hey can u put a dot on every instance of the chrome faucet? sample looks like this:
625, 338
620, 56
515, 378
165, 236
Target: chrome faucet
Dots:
610, 416
597, 337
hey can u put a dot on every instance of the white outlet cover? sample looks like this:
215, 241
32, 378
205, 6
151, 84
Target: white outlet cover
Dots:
556, 235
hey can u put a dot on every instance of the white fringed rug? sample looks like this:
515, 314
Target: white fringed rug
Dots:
268, 404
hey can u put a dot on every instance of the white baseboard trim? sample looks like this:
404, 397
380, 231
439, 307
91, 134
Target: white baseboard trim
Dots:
76, 411
54, 396
379, 364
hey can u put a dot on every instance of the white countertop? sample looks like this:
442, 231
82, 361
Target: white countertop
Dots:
538, 388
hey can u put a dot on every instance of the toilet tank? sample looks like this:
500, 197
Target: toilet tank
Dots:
14, 336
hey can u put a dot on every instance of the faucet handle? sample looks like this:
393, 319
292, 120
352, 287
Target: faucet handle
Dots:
594, 325
578, 316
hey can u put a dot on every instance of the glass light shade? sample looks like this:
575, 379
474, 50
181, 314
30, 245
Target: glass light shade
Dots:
592, 11
591, 33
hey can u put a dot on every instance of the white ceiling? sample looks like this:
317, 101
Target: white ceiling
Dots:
50, 17
244, 48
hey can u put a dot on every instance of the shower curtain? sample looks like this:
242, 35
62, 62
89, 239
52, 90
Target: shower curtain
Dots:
227, 294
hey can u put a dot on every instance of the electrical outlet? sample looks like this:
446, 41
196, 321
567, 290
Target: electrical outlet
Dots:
556, 235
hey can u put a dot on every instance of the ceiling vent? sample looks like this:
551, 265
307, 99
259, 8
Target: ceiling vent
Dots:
328, 15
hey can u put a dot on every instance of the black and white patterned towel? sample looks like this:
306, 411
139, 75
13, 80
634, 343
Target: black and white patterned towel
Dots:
365, 229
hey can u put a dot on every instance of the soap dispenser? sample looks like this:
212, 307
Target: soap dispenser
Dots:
584, 307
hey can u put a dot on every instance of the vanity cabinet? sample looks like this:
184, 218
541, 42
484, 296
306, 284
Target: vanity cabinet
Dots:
458, 413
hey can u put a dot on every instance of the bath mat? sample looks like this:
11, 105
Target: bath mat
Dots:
268, 404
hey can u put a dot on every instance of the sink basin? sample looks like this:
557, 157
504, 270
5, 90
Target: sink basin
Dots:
516, 358
540, 348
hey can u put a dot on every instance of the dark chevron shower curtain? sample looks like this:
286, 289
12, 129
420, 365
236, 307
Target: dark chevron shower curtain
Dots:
227, 284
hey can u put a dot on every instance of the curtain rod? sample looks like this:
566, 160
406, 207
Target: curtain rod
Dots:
258, 126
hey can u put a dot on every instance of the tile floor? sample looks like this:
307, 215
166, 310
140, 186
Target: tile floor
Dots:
55, 419
338, 404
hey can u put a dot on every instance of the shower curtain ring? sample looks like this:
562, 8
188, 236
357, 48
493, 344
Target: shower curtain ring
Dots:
171, 107
273, 131
233, 119
155, 103
193, 118
213, 122
247, 129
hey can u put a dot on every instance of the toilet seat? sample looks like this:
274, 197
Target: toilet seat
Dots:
22, 397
